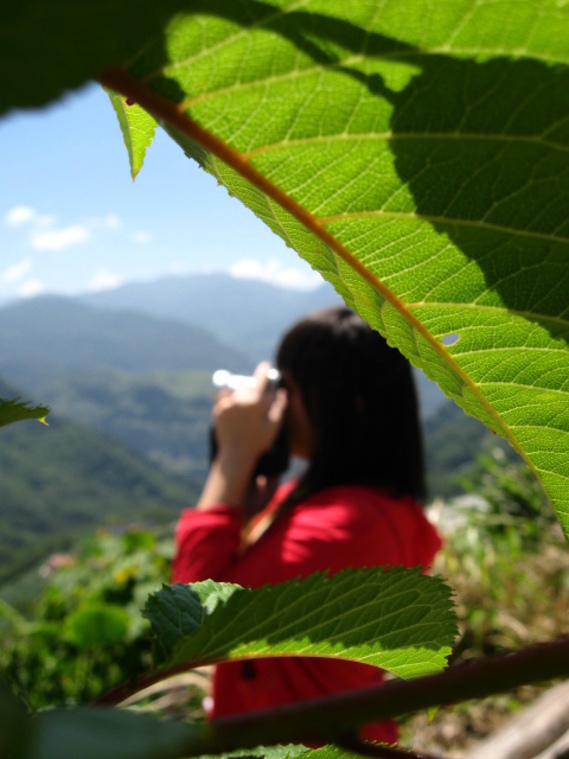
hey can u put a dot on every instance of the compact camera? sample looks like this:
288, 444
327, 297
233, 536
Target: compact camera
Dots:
276, 460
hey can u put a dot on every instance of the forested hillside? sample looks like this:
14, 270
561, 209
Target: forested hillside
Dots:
246, 314
59, 481
164, 415
50, 337
453, 444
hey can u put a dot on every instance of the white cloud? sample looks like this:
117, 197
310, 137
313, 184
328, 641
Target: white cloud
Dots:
16, 271
44, 220
104, 280
141, 237
110, 221
30, 288
57, 239
19, 215
274, 272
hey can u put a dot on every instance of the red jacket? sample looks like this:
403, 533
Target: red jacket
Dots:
346, 526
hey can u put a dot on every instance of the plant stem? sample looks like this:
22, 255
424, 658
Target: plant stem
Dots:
326, 720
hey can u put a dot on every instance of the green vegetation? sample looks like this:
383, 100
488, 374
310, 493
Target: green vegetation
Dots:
508, 566
417, 156
86, 633
50, 337
508, 592
62, 480
164, 415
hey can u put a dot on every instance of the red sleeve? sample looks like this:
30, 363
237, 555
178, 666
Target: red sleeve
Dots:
304, 541
324, 537
335, 529
206, 543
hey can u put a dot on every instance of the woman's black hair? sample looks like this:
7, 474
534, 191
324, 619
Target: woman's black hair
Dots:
360, 396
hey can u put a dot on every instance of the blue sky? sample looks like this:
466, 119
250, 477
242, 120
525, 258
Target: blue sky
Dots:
72, 220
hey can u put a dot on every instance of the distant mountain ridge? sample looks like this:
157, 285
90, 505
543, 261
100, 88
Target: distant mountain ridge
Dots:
197, 323
248, 314
49, 337
242, 312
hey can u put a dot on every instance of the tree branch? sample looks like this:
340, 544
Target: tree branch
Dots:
326, 720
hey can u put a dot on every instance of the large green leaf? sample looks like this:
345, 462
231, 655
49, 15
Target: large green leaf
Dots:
399, 620
417, 156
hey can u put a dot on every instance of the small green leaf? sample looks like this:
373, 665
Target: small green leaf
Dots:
399, 620
432, 712
16, 411
137, 126
96, 624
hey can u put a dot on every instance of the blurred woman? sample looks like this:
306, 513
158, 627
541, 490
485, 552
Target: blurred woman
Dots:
350, 409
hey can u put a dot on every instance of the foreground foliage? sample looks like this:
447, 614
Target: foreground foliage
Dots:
509, 568
59, 482
85, 634
417, 157
508, 593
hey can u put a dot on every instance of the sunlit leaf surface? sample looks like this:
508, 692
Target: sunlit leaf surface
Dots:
416, 154
398, 619
137, 127
428, 148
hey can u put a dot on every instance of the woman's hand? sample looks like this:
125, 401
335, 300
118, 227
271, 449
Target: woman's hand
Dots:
247, 423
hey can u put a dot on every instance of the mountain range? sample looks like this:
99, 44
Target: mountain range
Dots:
133, 367
247, 314
200, 322
49, 337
